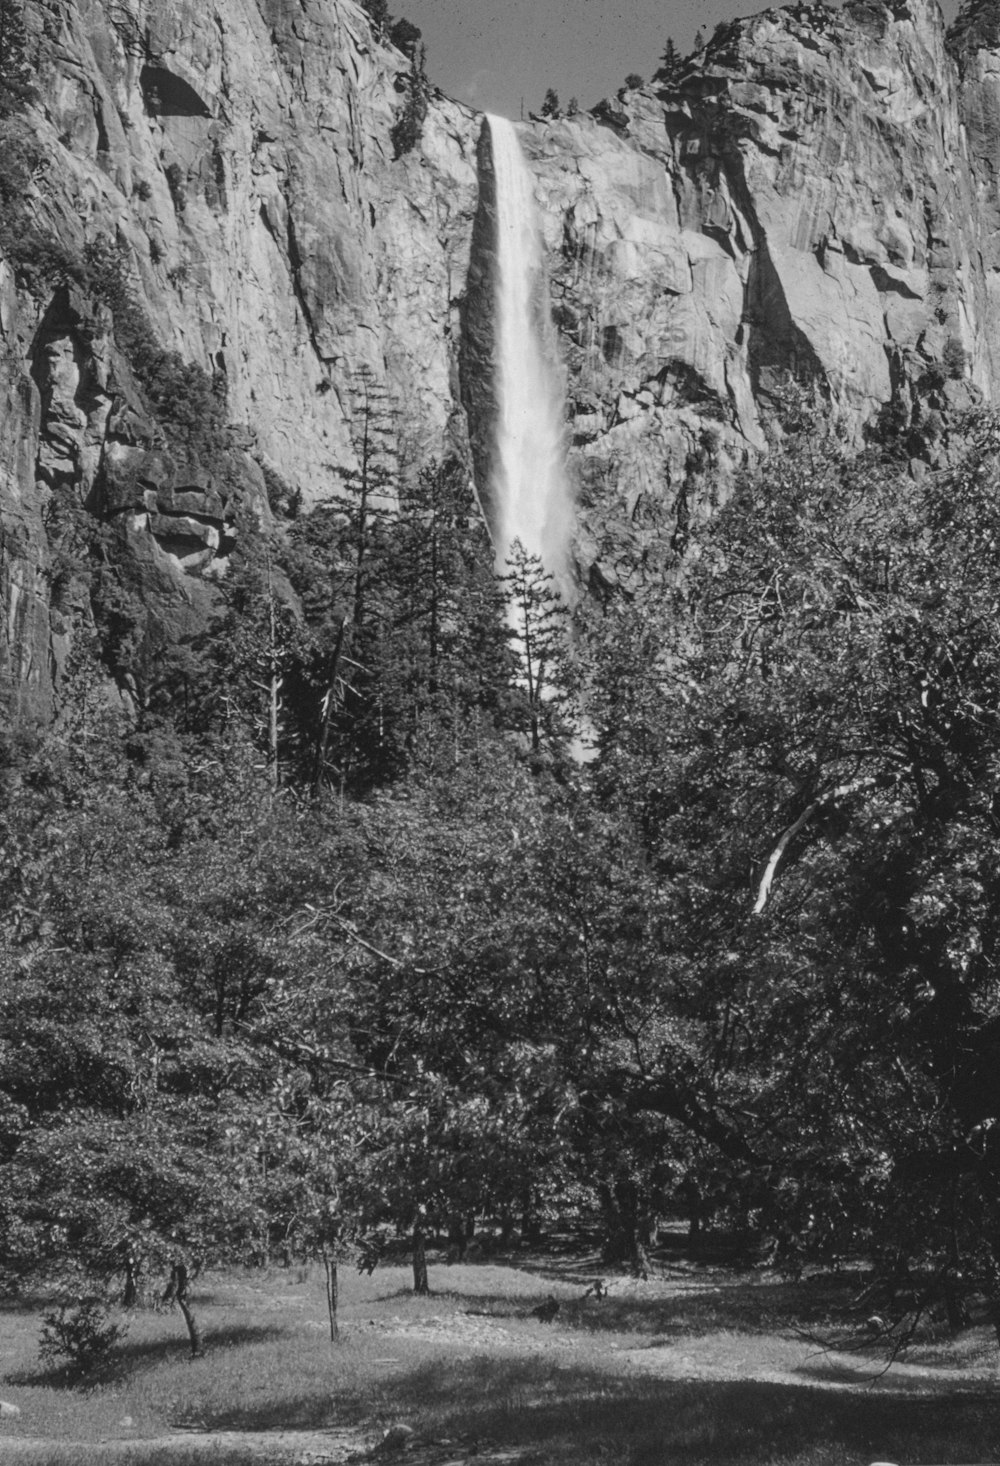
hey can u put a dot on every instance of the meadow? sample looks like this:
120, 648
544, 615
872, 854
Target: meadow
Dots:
692, 1367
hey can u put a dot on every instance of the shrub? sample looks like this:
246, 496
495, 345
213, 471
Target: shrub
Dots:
405, 36
954, 358
80, 1334
378, 12
175, 182
409, 124
180, 392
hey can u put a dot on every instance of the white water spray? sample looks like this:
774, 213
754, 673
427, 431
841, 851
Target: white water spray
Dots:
530, 488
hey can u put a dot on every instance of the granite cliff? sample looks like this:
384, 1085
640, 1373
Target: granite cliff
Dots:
222, 290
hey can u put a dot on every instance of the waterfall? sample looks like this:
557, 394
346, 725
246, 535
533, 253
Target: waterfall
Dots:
529, 485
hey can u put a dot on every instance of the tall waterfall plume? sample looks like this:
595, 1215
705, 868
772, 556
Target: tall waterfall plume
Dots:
529, 483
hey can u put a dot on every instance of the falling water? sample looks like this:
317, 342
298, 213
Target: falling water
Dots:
530, 489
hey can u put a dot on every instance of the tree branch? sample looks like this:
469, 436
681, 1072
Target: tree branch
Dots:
348, 929
767, 879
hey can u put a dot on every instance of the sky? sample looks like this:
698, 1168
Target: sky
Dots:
493, 53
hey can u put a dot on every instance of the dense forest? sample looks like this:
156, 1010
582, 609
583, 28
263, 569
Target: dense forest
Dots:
381, 906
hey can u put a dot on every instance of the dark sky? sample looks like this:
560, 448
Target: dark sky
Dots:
491, 53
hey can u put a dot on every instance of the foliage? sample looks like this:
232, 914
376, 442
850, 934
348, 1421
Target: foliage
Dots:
153, 1109
405, 36
550, 104
954, 358
407, 128
818, 732
538, 624
79, 1333
15, 70
378, 13
181, 393
670, 65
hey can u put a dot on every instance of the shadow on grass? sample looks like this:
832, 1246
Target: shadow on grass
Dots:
748, 1308
738, 1307
581, 1415
143, 1354
585, 1417
493, 1305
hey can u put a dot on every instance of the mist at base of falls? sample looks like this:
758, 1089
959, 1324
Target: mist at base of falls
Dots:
529, 486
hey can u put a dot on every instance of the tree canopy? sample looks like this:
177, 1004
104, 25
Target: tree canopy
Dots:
332, 931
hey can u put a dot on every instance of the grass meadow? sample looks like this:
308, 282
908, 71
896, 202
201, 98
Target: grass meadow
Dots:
691, 1368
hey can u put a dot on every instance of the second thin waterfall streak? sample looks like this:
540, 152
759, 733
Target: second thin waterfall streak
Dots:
530, 488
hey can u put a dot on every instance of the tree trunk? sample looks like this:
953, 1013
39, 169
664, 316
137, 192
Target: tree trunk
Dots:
457, 1240
332, 1294
329, 700
531, 1232
958, 1319
274, 682
130, 1293
420, 1283
625, 1228
177, 1292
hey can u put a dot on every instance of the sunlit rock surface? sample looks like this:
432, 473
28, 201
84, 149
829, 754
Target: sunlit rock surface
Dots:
816, 194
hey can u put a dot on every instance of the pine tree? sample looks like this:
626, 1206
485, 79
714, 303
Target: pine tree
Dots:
538, 619
670, 64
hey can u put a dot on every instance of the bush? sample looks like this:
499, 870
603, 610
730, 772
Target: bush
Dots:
377, 12
954, 358
409, 124
405, 36
181, 393
80, 1334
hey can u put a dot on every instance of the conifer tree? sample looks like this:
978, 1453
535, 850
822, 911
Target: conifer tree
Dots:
538, 620
670, 64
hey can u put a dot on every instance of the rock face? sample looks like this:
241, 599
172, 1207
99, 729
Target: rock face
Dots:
234, 160
216, 185
813, 195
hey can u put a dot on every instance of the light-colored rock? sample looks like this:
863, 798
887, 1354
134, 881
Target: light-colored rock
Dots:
819, 193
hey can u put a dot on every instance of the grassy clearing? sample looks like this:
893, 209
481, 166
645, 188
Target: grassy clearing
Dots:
692, 1368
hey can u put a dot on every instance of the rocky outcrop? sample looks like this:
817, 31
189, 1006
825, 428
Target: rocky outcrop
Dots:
813, 196
223, 280
235, 162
